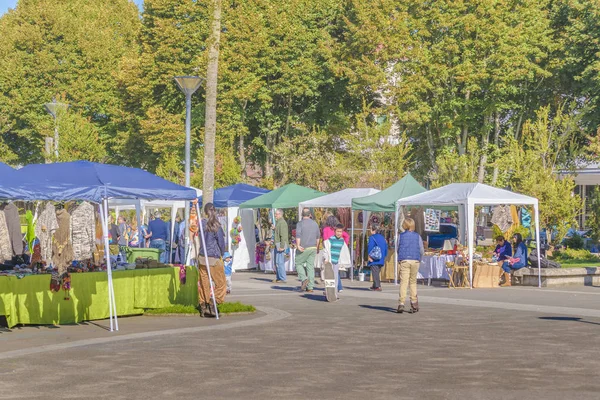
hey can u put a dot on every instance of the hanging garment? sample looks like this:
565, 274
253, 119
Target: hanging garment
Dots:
30, 235
83, 228
525, 218
62, 249
5, 246
502, 218
417, 214
344, 217
13, 223
45, 227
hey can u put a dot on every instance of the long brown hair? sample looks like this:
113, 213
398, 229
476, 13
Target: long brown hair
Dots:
212, 223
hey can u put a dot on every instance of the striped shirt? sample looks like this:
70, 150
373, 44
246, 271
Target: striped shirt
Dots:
336, 248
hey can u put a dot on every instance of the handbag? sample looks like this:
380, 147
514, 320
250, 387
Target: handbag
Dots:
375, 253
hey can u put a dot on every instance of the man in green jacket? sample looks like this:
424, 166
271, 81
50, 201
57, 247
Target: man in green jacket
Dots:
281, 243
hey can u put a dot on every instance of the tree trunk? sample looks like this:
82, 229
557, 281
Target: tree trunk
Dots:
242, 146
497, 144
431, 147
210, 129
462, 142
484, 150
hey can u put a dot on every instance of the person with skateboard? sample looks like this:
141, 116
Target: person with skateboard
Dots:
410, 251
337, 255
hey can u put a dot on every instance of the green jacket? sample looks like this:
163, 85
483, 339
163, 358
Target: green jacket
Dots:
281, 233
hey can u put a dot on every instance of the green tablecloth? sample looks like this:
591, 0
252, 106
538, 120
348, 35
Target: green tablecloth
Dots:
30, 301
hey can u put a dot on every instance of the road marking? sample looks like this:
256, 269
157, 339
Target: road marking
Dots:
271, 315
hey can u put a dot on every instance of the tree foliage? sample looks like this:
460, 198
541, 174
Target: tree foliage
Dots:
326, 93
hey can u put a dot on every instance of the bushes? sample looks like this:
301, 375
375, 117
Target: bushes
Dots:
574, 242
574, 254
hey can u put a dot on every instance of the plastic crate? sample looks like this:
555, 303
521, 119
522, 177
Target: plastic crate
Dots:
135, 252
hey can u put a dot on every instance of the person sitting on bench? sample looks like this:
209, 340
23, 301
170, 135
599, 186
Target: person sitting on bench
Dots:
517, 261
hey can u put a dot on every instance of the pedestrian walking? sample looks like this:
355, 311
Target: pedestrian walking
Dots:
307, 236
214, 237
410, 251
377, 250
281, 244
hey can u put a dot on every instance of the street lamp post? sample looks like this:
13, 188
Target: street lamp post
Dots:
188, 85
55, 108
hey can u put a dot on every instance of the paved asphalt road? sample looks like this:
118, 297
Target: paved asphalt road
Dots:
509, 343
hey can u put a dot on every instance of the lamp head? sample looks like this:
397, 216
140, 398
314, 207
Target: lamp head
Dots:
188, 84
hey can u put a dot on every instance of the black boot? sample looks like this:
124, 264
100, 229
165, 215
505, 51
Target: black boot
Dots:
210, 310
400, 309
201, 309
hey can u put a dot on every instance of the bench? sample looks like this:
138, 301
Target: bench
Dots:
553, 277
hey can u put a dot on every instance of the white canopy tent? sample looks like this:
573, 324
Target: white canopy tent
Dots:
466, 196
341, 199
140, 206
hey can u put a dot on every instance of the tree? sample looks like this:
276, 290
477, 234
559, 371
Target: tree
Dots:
210, 131
62, 49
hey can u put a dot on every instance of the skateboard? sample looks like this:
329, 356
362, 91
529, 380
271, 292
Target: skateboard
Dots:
329, 278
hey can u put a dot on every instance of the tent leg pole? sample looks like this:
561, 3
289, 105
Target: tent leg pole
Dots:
352, 244
111, 283
470, 227
396, 246
537, 242
103, 222
212, 288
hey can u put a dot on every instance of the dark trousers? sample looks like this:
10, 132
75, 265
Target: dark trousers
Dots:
376, 273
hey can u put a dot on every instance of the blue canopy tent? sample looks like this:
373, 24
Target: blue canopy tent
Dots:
234, 195
83, 180
4, 168
241, 245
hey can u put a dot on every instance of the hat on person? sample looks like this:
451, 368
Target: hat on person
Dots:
226, 255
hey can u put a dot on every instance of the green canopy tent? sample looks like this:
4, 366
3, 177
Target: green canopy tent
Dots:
288, 196
385, 201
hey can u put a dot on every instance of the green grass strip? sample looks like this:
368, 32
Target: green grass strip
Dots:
225, 308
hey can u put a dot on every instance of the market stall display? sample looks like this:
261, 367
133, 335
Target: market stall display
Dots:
81, 180
29, 300
288, 196
385, 202
464, 196
240, 223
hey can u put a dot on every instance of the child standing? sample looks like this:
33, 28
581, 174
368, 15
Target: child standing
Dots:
228, 261
337, 255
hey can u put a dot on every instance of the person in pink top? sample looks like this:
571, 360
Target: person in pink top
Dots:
329, 230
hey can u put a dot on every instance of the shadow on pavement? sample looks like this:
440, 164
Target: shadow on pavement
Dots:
263, 279
286, 288
379, 308
315, 297
572, 319
364, 289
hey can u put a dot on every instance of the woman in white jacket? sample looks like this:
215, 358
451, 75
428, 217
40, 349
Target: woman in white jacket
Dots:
337, 253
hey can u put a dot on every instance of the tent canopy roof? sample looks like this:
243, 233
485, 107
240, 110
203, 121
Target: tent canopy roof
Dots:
4, 168
129, 204
234, 195
288, 196
456, 194
340, 199
84, 180
385, 201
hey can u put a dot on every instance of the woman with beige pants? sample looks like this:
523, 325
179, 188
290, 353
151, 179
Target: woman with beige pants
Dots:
410, 251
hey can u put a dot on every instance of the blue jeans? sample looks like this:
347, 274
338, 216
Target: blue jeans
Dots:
508, 268
339, 281
161, 245
280, 266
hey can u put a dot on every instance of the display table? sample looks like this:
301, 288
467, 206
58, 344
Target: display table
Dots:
269, 266
30, 301
434, 267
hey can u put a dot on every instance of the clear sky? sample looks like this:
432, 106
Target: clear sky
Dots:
6, 4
